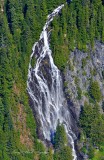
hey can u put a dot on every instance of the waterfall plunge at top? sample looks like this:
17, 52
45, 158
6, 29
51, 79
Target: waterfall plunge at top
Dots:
45, 88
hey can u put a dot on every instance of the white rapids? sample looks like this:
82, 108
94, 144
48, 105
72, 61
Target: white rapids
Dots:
45, 88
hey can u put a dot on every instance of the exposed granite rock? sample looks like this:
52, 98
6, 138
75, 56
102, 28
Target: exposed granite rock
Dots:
81, 68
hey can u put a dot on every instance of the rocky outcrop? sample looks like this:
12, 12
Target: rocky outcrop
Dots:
81, 68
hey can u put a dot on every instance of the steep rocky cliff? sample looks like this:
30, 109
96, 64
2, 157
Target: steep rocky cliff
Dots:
81, 69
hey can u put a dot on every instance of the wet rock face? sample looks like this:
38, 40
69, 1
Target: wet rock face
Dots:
82, 67
45, 89
45, 71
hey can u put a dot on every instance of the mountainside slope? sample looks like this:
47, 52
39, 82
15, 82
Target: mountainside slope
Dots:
77, 44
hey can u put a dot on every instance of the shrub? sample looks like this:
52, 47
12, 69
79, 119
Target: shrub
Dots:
94, 91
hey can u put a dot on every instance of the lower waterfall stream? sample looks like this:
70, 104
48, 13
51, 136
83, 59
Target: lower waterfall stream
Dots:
45, 88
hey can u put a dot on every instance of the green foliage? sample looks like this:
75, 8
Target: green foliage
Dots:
60, 138
63, 154
86, 118
79, 25
43, 157
84, 62
103, 74
62, 150
92, 124
103, 106
71, 67
76, 81
79, 93
21, 22
91, 152
94, 91
33, 62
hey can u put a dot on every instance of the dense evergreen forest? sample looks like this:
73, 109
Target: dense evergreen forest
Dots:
79, 25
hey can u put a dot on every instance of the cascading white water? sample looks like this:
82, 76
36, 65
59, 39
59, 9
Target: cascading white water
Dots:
45, 88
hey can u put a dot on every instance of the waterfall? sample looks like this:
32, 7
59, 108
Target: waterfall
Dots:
45, 88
